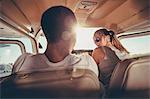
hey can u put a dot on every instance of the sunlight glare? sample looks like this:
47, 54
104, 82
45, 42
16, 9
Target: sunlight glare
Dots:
85, 38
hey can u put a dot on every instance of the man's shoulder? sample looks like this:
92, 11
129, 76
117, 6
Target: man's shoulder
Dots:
87, 62
30, 57
82, 56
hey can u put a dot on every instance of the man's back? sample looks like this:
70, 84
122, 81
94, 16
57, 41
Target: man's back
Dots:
29, 62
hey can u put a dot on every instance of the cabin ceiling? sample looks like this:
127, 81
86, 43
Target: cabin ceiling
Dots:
118, 15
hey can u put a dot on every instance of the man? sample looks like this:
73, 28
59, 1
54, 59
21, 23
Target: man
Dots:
58, 26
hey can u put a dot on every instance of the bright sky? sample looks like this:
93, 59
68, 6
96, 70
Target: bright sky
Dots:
9, 53
85, 38
137, 45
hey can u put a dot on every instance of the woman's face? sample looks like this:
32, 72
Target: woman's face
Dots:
100, 39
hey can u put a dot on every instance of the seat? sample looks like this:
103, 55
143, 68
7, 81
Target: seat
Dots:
52, 84
130, 79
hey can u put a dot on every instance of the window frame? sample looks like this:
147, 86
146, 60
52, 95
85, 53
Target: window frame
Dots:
17, 42
132, 35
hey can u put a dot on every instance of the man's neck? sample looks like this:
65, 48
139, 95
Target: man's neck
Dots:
56, 54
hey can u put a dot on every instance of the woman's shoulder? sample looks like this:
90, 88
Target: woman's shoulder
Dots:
99, 50
98, 54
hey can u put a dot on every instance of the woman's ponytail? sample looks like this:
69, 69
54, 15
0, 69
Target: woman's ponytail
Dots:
115, 42
111, 34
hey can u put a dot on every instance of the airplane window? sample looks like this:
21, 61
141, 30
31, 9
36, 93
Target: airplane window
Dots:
26, 41
85, 38
137, 45
8, 55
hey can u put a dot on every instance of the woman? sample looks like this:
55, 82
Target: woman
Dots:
108, 53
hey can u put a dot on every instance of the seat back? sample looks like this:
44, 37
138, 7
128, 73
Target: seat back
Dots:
50, 84
130, 79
